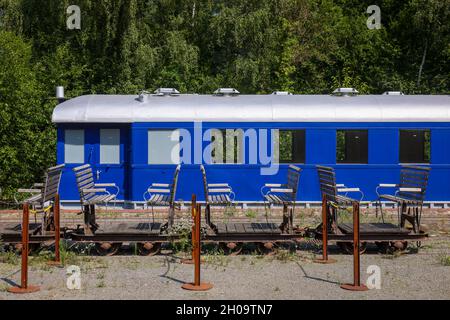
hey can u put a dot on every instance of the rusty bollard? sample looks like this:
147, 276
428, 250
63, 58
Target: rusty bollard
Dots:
193, 208
325, 259
197, 285
57, 222
24, 287
356, 286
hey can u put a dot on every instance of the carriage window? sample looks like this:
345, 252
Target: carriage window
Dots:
414, 146
74, 146
163, 147
110, 146
292, 146
227, 146
352, 146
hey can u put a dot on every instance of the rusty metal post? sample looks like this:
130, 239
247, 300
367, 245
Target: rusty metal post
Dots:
356, 286
193, 208
325, 259
193, 235
57, 222
197, 246
24, 287
197, 285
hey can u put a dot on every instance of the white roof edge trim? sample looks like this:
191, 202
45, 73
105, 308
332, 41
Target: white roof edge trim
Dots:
254, 108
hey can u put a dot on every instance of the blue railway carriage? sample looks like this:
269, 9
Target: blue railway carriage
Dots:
136, 140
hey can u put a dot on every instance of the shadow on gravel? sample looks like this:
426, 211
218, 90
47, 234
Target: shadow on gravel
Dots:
315, 278
9, 281
168, 259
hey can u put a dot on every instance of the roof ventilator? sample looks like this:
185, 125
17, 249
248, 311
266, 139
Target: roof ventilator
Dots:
143, 95
345, 92
393, 93
281, 93
226, 92
166, 92
60, 94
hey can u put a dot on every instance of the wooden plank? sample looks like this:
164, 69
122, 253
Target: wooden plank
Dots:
374, 228
221, 228
239, 227
231, 228
248, 228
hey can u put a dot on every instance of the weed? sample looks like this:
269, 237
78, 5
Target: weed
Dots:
285, 256
445, 260
182, 229
251, 214
67, 256
9, 257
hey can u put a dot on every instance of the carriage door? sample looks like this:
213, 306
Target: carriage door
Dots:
110, 164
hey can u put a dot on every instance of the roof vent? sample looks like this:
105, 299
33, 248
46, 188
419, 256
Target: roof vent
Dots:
143, 96
345, 92
166, 92
281, 93
60, 94
393, 93
226, 92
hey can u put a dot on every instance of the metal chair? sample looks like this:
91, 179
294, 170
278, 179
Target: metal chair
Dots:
283, 194
41, 197
92, 194
409, 195
163, 194
220, 194
335, 194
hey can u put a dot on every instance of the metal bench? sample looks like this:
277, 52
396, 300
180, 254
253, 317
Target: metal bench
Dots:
336, 195
92, 194
409, 195
41, 197
220, 194
283, 194
163, 194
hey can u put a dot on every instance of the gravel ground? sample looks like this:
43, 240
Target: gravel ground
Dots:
284, 275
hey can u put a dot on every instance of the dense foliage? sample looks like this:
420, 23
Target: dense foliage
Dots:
256, 46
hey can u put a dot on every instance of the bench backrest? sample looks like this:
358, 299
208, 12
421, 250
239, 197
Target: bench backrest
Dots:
414, 177
173, 191
205, 181
85, 180
293, 178
51, 183
327, 182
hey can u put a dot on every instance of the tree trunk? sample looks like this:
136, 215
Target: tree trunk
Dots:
422, 63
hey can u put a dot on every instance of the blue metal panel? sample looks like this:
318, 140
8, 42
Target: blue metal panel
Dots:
440, 146
320, 146
383, 146
135, 175
117, 173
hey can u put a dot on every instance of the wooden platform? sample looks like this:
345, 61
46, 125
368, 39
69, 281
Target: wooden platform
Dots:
16, 228
249, 228
374, 228
130, 228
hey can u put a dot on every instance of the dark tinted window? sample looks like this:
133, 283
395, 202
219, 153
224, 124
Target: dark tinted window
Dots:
352, 146
414, 146
292, 146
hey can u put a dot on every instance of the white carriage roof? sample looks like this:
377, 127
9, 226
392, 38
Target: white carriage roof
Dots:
254, 108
